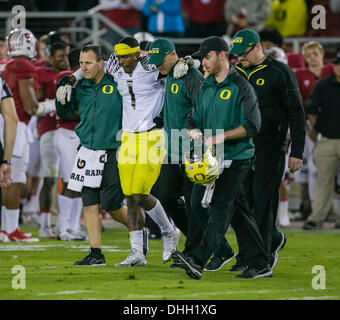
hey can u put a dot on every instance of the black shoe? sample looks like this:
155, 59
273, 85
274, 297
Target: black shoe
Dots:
238, 266
275, 254
216, 263
337, 225
310, 225
193, 270
253, 273
146, 233
92, 260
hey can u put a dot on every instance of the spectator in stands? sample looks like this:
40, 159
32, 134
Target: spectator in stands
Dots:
241, 14
164, 17
124, 13
205, 18
289, 17
272, 42
295, 60
324, 113
316, 70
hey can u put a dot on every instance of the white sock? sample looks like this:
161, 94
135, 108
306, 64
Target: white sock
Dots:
45, 219
136, 240
12, 220
283, 213
65, 209
77, 208
158, 215
3, 218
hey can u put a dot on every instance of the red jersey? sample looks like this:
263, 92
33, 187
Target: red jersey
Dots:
204, 11
39, 63
19, 69
64, 123
47, 78
307, 80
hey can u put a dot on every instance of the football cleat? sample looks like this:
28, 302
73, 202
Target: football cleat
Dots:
47, 233
18, 236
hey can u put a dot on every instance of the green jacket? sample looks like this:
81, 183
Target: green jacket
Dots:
100, 112
180, 97
225, 106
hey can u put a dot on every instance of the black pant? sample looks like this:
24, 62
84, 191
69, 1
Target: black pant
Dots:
229, 195
172, 184
265, 183
202, 216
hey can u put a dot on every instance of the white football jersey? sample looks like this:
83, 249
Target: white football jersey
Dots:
142, 94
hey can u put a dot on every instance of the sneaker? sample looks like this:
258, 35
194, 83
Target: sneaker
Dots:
238, 266
4, 236
193, 270
311, 225
78, 235
18, 236
135, 258
92, 260
177, 262
275, 254
170, 242
47, 233
146, 241
253, 273
216, 263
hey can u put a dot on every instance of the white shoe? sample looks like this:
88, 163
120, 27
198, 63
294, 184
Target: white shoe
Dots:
66, 236
79, 235
170, 242
135, 258
46, 233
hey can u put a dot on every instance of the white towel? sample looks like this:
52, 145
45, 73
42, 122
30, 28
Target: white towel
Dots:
87, 169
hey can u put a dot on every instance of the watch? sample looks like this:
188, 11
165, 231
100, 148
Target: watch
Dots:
6, 161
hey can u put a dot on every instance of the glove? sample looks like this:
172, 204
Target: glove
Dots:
64, 93
46, 107
181, 68
193, 62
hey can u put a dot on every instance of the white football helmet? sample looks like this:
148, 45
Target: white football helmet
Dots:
21, 42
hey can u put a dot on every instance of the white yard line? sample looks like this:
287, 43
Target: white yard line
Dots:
195, 295
64, 292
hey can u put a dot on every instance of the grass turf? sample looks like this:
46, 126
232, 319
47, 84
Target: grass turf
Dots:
50, 273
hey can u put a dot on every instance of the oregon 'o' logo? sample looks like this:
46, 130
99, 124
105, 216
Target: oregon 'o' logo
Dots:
199, 177
260, 82
225, 94
107, 89
174, 88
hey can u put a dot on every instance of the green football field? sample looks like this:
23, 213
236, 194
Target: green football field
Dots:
308, 268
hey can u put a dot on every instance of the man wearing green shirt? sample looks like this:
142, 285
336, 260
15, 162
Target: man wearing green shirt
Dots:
180, 98
227, 113
99, 105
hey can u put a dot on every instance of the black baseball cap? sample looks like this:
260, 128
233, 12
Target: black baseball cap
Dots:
336, 58
212, 43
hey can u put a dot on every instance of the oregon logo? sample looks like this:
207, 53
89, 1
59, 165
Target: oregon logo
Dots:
225, 94
174, 88
260, 82
199, 177
107, 89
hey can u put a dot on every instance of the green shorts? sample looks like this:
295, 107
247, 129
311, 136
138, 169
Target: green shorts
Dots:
109, 195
